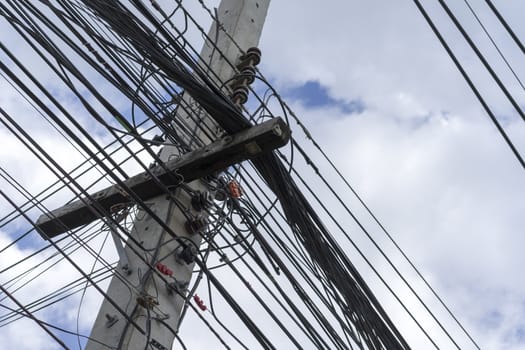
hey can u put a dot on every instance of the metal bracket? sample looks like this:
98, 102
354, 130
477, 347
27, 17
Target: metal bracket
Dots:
177, 287
157, 345
122, 254
147, 301
111, 320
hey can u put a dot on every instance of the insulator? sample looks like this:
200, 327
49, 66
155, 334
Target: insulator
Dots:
199, 302
201, 201
164, 269
248, 73
254, 51
240, 95
252, 57
245, 78
196, 225
186, 254
220, 196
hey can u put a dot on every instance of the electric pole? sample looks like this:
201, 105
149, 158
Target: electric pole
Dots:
157, 308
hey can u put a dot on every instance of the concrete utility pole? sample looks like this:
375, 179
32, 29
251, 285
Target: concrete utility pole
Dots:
243, 20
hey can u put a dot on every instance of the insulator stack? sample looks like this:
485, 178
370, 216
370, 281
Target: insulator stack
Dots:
246, 76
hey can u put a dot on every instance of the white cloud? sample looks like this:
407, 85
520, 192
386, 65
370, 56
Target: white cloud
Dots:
423, 153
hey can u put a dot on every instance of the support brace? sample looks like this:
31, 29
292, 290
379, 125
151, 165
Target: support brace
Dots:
122, 254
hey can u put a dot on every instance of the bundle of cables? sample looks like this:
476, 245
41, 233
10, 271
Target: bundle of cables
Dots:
364, 316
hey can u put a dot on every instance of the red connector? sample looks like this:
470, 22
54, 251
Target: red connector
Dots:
164, 269
199, 302
235, 189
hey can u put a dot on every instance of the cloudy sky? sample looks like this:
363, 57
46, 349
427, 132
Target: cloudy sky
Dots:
376, 88
378, 92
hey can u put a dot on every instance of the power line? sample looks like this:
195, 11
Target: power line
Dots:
135, 53
470, 83
482, 59
31, 316
506, 25
494, 44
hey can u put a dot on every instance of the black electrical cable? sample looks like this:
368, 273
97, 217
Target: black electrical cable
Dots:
75, 265
119, 182
381, 251
58, 295
56, 327
290, 277
282, 245
316, 339
482, 58
168, 62
29, 314
299, 218
506, 25
85, 288
470, 83
42, 193
471, 9
263, 304
381, 226
56, 247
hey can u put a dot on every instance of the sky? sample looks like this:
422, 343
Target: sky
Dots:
379, 94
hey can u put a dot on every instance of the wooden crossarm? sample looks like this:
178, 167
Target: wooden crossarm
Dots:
214, 157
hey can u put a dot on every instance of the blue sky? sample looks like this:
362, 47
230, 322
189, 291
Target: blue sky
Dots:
314, 95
